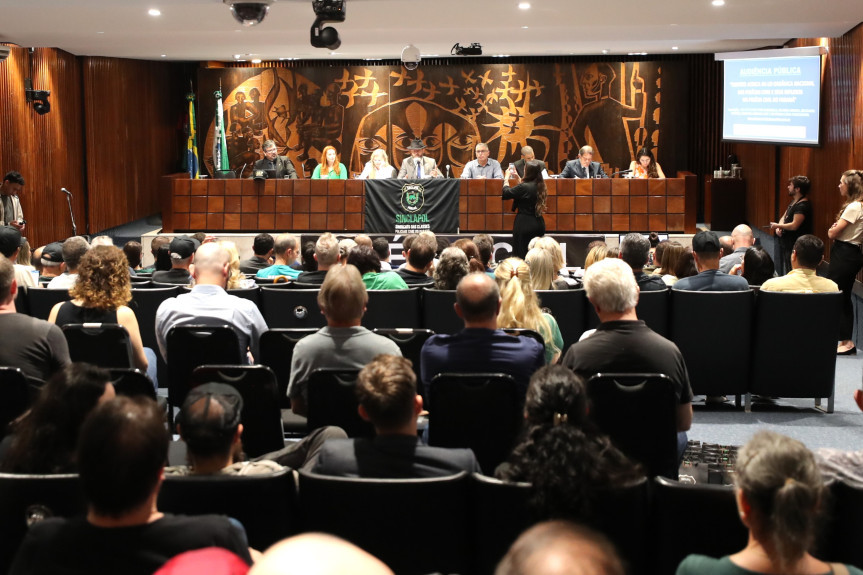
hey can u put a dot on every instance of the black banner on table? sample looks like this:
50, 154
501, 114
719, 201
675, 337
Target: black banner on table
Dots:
412, 206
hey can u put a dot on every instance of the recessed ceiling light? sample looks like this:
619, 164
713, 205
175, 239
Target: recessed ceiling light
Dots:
500, 55
99, 32
605, 51
256, 61
524, 27
674, 48
237, 56
164, 55
718, 2
154, 12
524, 5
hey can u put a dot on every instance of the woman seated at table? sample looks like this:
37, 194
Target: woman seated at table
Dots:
645, 166
378, 168
330, 168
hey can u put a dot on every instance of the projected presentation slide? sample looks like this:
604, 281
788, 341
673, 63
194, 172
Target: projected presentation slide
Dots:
772, 100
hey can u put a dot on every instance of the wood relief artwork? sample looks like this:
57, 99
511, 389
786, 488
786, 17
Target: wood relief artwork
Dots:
554, 108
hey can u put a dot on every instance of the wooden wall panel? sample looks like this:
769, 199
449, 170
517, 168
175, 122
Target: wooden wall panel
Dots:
133, 111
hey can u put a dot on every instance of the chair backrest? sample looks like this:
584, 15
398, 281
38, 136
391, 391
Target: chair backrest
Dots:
144, 303
253, 294
369, 513
652, 308
622, 514
639, 413
438, 311
190, 346
482, 411
809, 373
500, 515
27, 499
132, 382
276, 350
333, 401
569, 308
266, 504
410, 342
693, 519
709, 327
294, 308
840, 540
520, 331
393, 308
41, 300
18, 394
261, 416
104, 344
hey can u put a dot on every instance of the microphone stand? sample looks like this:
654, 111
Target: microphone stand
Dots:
71, 213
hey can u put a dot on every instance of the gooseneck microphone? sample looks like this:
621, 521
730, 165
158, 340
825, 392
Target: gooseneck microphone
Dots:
447, 170
71, 212
65, 191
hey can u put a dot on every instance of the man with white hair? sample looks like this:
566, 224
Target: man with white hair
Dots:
624, 344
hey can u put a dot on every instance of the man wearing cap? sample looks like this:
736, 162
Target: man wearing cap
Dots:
209, 424
417, 167
74, 249
52, 261
208, 303
10, 245
482, 167
182, 255
11, 213
285, 252
705, 249
282, 165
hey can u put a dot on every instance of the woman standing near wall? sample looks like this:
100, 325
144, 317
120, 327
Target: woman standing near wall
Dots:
845, 256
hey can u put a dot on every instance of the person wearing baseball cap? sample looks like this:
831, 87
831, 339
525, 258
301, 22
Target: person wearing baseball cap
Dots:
182, 250
52, 261
10, 245
705, 249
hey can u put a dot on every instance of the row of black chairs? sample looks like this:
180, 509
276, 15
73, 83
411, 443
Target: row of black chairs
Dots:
456, 524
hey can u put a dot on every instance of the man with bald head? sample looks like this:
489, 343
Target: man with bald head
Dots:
742, 239
527, 155
480, 347
208, 303
285, 253
317, 554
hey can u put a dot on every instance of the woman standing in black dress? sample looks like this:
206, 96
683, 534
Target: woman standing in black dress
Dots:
796, 222
529, 200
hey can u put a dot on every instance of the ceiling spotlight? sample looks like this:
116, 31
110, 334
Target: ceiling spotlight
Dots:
39, 98
718, 2
524, 5
411, 57
249, 13
473, 50
327, 11
675, 48
605, 50
154, 12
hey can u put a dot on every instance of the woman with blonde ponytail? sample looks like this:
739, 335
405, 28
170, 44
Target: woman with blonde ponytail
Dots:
519, 306
779, 492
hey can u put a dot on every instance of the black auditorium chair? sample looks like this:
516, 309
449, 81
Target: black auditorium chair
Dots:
393, 308
708, 326
622, 514
261, 416
266, 504
652, 308
294, 308
524, 332
18, 394
28, 499
41, 300
276, 349
777, 371
438, 311
144, 303
482, 411
639, 413
840, 540
693, 519
190, 346
333, 401
569, 308
500, 515
371, 513
410, 342
104, 344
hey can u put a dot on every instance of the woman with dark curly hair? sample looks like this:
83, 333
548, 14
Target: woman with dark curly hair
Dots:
100, 295
43, 440
451, 267
561, 455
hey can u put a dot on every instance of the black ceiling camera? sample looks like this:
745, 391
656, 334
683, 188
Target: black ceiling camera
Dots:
39, 98
473, 50
327, 11
249, 13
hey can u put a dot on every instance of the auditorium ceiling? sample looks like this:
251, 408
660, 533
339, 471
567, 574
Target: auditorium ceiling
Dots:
198, 30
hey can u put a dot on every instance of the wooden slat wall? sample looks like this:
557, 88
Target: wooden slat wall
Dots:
48, 149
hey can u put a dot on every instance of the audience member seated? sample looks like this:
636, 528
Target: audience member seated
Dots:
520, 308
121, 457
705, 250
74, 249
742, 239
624, 344
100, 295
686, 265
132, 251
318, 554
36, 347
779, 493
480, 347
472, 252
327, 255
159, 247
236, 278
757, 266
450, 269
44, 439
307, 257
552, 246
655, 261
262, 251
11, 248
419, 258
595, 254
285, 253
209, 425
485, 245
672, 253
726, 246
209, 303
808, 252
343, 343
387, 393
634, 250
366, 261
182, 251
558, 547
382, 248
543, 276
345, 247
561, 455
52, 262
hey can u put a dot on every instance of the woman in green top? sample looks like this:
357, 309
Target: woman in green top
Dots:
330, 168
779, 491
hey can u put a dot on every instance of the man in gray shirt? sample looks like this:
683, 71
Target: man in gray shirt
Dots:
482, 166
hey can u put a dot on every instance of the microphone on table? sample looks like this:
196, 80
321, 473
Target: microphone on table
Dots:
418, 169
447, 170
65, 191
621, 172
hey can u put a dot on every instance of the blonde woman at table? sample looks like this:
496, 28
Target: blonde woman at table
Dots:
378, 168
330, 168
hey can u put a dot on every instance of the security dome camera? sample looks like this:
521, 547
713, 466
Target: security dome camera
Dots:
249, 13
411, 57
325, 37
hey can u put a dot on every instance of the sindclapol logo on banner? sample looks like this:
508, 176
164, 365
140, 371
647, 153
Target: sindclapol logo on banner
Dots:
412, 197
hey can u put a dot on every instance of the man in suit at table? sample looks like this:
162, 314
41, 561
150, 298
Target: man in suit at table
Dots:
417, 167
527, 155
583, 166
283, 166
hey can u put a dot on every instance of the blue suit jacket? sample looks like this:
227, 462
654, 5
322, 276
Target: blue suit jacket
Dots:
712, 280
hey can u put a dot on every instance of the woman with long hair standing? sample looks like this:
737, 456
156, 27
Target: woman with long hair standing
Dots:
529, 200
330, 168
845, 256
